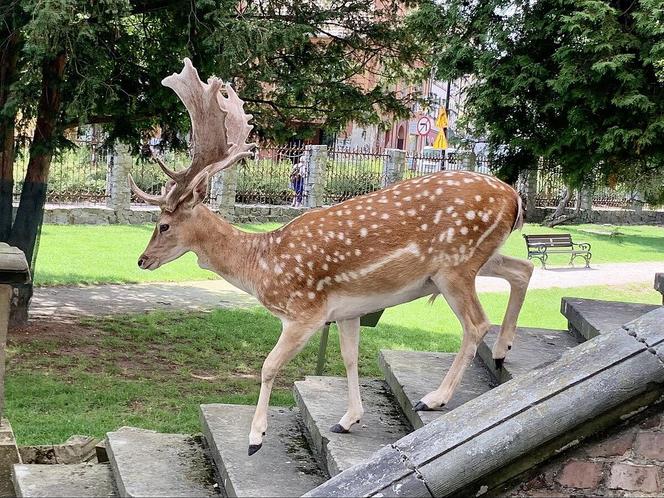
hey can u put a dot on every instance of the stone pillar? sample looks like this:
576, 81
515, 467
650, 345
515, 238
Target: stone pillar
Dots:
393, 167
470, 161
315, 157
117, 182
659, 284
531, 193
222, 191
13, 271
587, 203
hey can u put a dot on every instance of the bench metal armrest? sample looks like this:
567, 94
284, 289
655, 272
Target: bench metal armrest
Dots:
584, 246
538, 247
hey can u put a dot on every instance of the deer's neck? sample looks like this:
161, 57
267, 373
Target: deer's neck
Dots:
227, 251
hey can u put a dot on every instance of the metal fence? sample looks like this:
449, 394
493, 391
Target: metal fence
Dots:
280, 175
77, 175
276, 176
351, 172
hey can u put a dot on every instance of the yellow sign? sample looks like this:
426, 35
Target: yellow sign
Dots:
441, 124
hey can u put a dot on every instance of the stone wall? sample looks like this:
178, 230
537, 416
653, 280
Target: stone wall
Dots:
627, 461
605, 216
101, 215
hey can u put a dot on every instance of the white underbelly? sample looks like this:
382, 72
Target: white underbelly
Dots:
344, 306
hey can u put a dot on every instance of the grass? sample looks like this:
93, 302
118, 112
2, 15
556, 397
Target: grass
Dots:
154, 370
92, 254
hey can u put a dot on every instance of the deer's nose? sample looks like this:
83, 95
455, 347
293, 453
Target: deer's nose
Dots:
141, 261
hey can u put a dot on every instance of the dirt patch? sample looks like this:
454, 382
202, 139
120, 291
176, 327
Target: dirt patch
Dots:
70, 345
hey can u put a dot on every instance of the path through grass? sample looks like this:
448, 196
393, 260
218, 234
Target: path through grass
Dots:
153, 370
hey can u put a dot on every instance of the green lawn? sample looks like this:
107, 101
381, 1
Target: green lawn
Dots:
88, 254
154, 370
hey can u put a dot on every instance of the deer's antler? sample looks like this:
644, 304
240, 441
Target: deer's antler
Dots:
220, 129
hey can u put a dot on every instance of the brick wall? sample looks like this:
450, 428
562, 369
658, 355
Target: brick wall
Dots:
628, 461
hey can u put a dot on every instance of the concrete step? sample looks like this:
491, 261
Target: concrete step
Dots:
151, 464
532, 348
81, 480
587, 318
322, 402
285, 465
412, 374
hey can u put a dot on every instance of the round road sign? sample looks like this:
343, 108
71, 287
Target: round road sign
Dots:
424, 125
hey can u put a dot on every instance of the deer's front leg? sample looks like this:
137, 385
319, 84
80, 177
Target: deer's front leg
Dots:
349, 340
293, 337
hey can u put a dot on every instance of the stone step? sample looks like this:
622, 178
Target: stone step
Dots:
587, 318
322, 402
152, 464
532, 348
412, 374
284, 466
81, 480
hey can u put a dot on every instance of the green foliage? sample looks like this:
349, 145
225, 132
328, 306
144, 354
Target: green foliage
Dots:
577, 82
264, 181
342, 187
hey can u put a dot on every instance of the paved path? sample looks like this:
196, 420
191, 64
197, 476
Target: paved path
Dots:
102, 300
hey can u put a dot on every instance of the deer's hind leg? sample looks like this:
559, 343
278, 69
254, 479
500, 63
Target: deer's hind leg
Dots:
349, 340
459, 291
517, 272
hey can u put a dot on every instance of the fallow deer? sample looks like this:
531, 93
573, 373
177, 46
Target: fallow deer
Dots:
424, 236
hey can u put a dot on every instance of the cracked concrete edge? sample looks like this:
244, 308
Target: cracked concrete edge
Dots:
445, 467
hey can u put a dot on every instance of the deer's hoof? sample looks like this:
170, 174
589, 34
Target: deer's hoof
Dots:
499, 363
339, 429
421, 407
253, 448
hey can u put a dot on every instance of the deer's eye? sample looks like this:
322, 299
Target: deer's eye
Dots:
163, 228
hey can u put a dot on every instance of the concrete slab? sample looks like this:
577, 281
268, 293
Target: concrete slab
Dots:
532, 348
81, 480
412, 374
285, 465
648, 328
146, 465
588, 317
100, 448
322, 402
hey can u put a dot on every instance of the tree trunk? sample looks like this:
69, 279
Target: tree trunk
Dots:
559, 216
8, 59
33, 195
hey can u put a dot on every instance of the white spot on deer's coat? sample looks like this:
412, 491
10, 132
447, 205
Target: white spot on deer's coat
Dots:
436, 218
450, 234
464, 230
411, 212
439, 191
408, 198
478, 198
470, 215
424, 227
311, 296
358, 252
363, 232
384, 216
449, 209
298, 258
458, 201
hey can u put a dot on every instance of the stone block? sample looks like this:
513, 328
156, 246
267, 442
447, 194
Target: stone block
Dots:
648, 328
153, 465
591, 316
615, 445
80, 480
9, 456
77, 449
580, 474
412, 374
322, 402
285, 452
532, 349
630, 477
650, 444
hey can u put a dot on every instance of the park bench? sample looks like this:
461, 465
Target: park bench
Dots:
540, 246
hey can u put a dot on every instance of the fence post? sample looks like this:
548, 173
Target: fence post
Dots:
470, 161
393, 167
222, 191
531, 192
316, 157
117, 181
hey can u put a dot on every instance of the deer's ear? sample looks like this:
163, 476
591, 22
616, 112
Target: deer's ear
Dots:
200, 190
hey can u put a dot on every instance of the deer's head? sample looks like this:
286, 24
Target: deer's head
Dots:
220, 129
